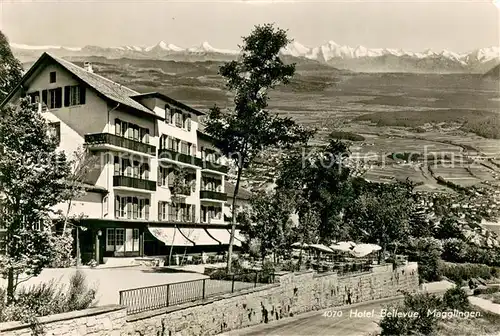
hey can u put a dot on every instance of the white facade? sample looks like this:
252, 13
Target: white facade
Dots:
132, 150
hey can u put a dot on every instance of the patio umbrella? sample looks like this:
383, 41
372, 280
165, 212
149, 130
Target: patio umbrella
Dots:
300, 245
362, 250
321, 247
345, 246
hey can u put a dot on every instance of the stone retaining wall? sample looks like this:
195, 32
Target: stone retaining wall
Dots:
292, 295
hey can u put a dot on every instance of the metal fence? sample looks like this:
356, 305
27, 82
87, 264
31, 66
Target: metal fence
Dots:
138, 300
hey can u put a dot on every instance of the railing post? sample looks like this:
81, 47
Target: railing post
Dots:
121, 298
168, 294
203, 295
232, 285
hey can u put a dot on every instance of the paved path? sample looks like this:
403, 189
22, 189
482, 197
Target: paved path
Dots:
109, 281
318, 323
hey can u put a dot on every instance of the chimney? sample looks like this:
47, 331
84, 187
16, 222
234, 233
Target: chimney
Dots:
88, 66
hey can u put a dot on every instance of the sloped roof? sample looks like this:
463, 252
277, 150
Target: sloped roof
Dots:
113, 91
243, 193
103, 86
169, 100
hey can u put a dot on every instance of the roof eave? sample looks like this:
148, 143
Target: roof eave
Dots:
169, 100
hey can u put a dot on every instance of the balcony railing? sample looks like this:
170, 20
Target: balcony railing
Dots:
181, 218
214, 195
165, 153
115, 140
214, 166
132, 182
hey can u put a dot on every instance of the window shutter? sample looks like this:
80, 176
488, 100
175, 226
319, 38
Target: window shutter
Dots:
82, 94
146, 209
146, 135
129, 207
159, 177
146, 171
117, 206
193, 213
189, 124
171, 177
193, 148
160, 211
58, 93
118, 130
168, 116
67, 90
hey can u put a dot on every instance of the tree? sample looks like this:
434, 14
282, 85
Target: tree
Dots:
324, 184
33, 178
178, 188
10, 68
380, 213
246, 130
268, 221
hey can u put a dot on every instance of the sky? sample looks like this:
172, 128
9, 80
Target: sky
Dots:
416, 25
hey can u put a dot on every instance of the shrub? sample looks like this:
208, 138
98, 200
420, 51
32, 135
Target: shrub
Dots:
464, 272
454, 250
416, 321
487, 290
48, 299
456, 298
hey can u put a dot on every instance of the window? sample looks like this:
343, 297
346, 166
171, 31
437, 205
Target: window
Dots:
135, 239
55, 131
52, 77
118, 127
119, 237
74, 95
110, 239
178, 118
132, 207
55, 99
34, 97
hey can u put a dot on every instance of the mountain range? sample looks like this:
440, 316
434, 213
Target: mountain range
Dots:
340, 56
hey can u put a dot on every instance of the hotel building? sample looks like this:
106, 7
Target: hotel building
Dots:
156, 180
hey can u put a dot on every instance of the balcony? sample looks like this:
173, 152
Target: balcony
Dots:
132, 182
213, 195
214, 166
107, 139
167, 154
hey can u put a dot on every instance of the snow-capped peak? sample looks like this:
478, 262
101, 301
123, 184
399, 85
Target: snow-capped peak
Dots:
162, 45
206, 47
295, 49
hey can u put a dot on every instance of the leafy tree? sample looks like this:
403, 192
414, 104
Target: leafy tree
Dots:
249, 128
268, 221
33, 178
324, 183
10, 68
380, 213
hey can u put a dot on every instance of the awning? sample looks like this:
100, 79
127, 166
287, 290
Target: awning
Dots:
223, 236
237, 235
170, 236
199, 236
